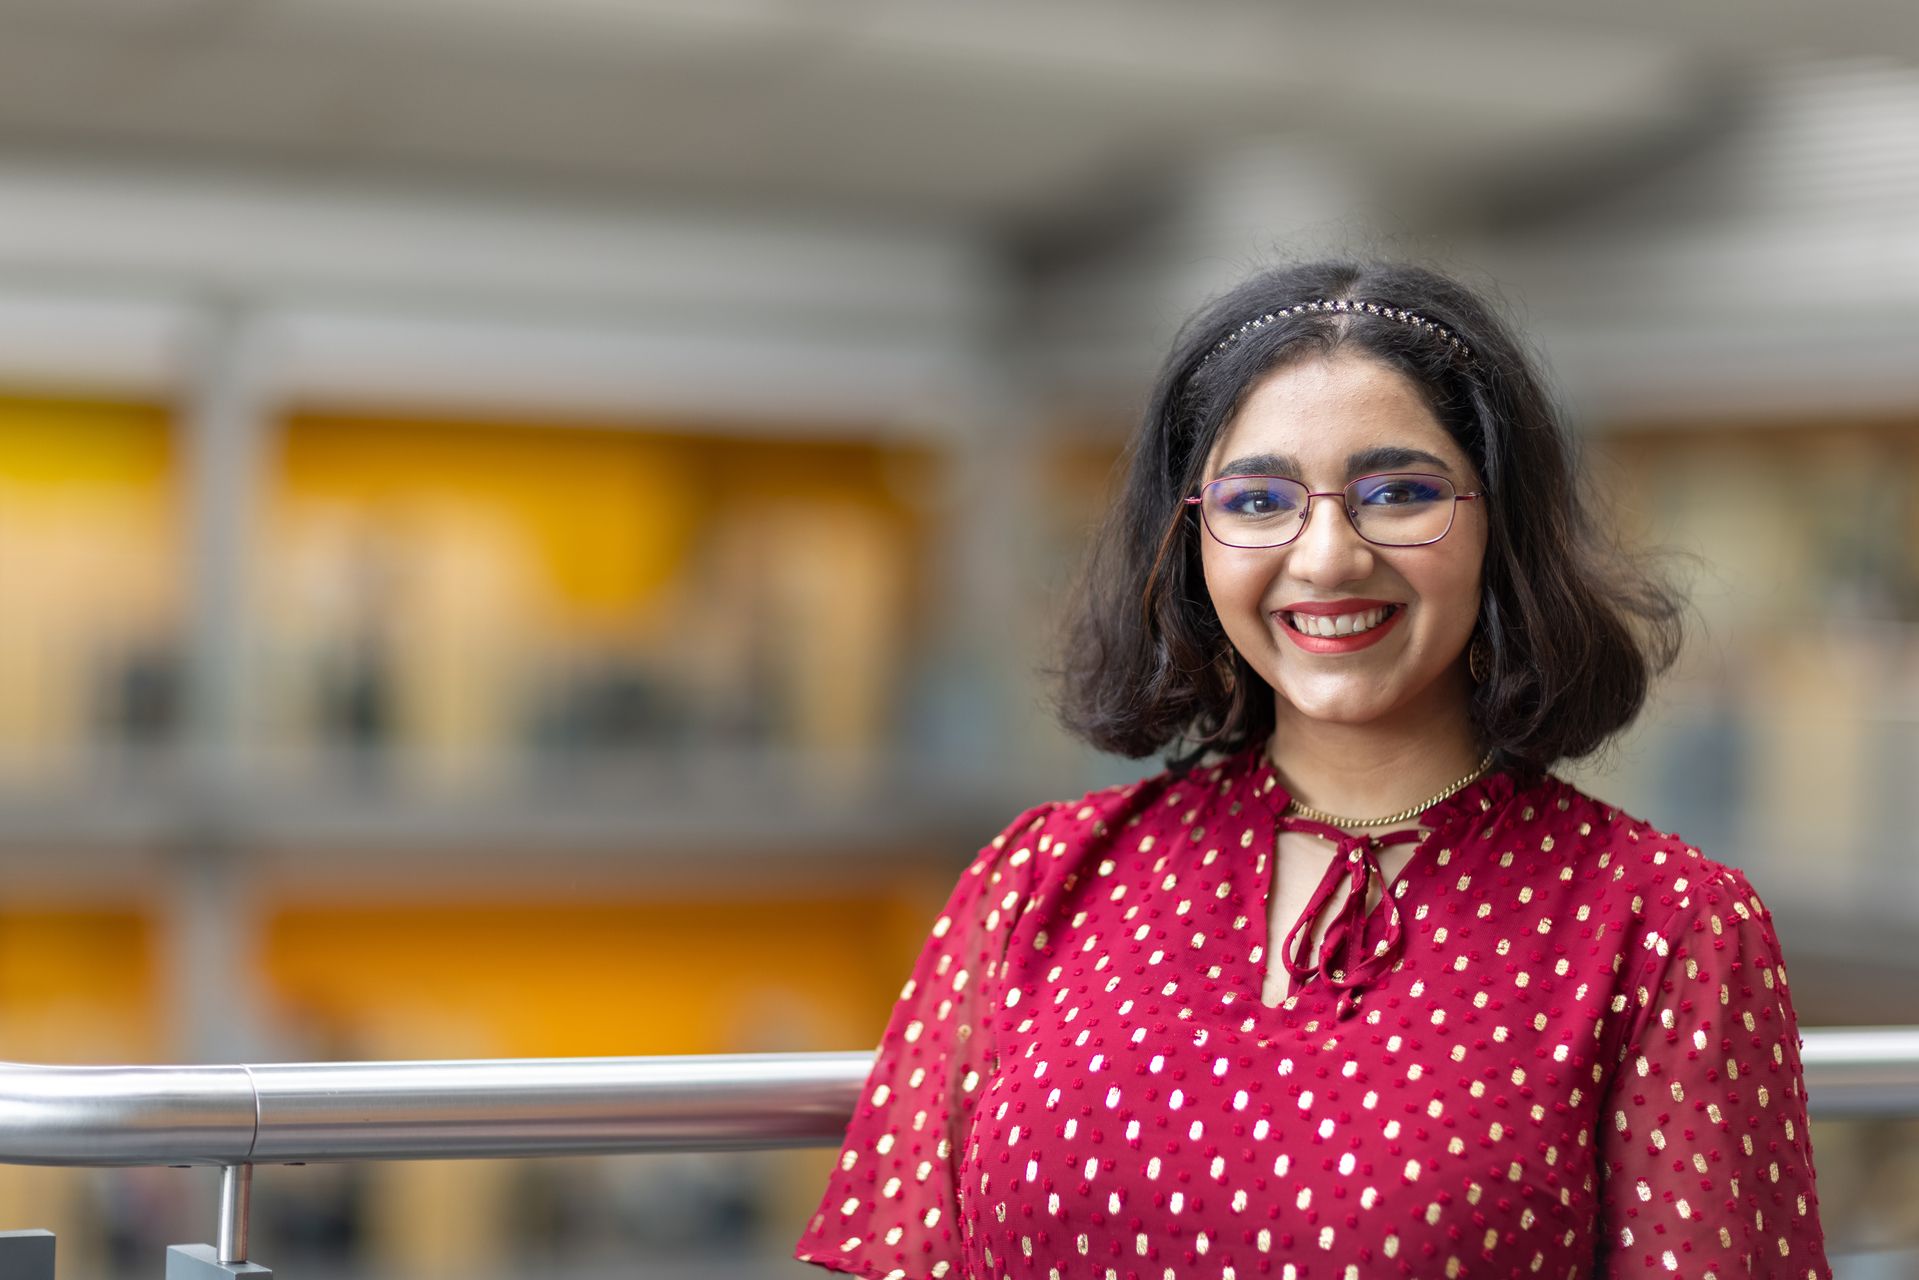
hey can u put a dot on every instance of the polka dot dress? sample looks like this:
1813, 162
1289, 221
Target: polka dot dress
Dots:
1560, 1045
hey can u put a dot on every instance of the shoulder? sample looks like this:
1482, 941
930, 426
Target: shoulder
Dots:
1650, 911
1054, 840
1663, 889
1656, 871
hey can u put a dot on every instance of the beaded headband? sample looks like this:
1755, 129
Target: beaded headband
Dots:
1340, 305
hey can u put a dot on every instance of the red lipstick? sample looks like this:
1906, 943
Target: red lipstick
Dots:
1339, 644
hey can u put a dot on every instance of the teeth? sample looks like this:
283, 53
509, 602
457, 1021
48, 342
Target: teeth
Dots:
1344, 624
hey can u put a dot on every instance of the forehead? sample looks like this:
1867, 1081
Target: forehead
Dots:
1324, 411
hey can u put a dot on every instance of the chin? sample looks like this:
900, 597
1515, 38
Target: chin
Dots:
1348, 707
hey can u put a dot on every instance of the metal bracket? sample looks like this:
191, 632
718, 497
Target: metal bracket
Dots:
26, 1255
202, 1262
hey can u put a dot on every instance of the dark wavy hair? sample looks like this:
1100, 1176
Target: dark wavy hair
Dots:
1575, 627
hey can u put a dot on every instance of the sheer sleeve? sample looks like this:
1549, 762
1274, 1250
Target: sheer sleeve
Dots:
1703, 1145
891, 1208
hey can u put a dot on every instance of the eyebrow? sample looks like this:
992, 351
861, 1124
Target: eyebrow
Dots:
1379, 458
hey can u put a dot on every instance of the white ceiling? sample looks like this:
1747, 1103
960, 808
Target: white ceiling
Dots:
456, 186
1020, 110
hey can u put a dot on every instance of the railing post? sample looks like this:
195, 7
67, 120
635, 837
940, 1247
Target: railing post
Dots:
26, 1255
236, 1206
229, 1257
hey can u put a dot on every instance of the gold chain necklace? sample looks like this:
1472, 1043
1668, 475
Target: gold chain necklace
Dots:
1320, 815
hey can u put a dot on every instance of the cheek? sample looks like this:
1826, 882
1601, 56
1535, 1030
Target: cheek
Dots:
1232, 584
1448, 588
1214, 574
1460, 590
1236, 593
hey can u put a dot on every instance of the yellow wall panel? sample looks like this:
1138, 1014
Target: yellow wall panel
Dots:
488, 569
605, 515
49, 446
621, 978
77, 986
90, 568
609, 514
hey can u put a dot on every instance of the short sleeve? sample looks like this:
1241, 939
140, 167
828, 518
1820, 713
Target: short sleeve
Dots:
891, 1209
1703, 1144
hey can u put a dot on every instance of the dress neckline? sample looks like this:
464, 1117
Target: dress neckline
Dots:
1483, 796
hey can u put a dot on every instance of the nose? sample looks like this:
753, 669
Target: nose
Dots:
1329, 551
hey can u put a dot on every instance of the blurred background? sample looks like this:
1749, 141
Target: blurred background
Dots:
529, 529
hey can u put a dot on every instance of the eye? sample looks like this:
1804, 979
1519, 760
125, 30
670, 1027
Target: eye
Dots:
1399, 491
1256, 498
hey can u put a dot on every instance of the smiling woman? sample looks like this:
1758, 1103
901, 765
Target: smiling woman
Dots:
1290, 610
1359, 370
1203, 1025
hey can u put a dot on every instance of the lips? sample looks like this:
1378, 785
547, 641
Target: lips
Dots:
1343, 626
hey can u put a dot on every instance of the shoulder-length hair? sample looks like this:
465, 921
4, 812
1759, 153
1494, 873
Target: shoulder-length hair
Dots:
1574, 628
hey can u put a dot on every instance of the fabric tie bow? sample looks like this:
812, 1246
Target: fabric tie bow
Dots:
1348, 965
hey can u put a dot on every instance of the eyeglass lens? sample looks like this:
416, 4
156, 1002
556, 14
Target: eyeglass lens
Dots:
1396, 510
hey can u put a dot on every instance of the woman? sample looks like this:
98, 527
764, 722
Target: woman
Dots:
1355, 988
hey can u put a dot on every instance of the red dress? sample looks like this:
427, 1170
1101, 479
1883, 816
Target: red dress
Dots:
1561, 1045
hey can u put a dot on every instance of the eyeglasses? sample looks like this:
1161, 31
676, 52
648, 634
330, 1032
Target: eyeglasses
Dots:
1392, 509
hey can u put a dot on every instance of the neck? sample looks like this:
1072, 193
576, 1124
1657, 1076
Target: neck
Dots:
1369, 770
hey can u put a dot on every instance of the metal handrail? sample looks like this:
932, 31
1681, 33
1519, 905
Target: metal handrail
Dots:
299, 1113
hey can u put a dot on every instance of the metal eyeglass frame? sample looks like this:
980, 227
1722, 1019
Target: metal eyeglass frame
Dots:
1352, 513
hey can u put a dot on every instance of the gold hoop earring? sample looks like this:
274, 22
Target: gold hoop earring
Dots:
1479, 659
